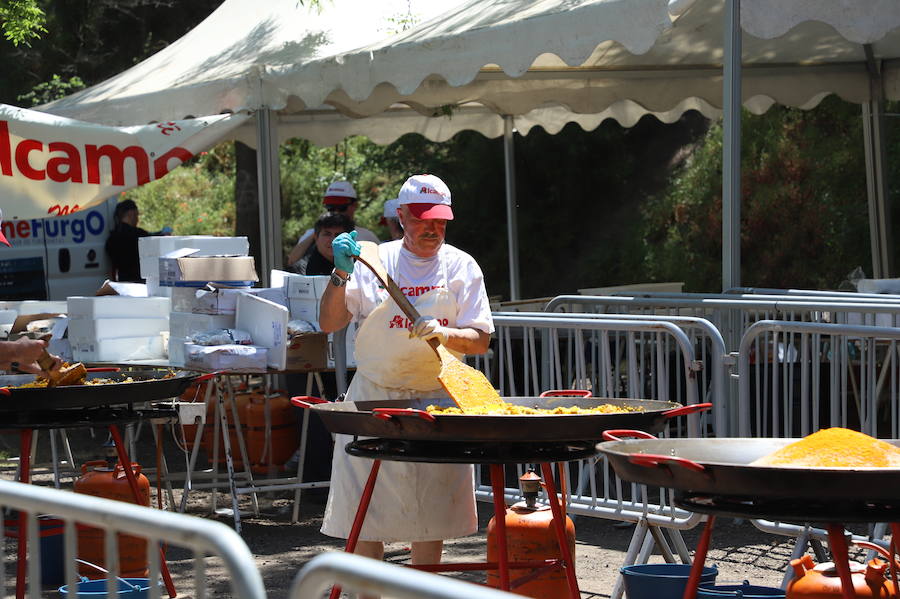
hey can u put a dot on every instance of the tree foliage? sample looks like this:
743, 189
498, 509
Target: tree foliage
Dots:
804, 212
21, 21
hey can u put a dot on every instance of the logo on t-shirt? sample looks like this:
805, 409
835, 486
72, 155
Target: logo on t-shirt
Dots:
416, 291
399, 322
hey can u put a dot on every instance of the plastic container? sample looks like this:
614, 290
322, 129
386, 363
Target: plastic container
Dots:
740, 591
662, 581
129, 588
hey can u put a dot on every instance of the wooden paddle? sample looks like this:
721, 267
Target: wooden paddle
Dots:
468, 387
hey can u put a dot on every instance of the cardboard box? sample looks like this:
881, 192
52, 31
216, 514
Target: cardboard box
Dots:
233, 358
151, 249
267, 324
118, 350
116, 306
307, 351
112, 328
184, 268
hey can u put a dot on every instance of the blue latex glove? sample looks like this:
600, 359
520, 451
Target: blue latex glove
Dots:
167, 230
345, 247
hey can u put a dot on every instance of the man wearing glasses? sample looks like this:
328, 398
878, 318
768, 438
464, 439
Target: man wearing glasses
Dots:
339, 197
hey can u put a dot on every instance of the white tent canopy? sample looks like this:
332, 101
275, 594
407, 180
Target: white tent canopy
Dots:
558, 60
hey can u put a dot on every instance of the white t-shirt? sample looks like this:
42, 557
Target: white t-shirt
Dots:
362, 234
416, 276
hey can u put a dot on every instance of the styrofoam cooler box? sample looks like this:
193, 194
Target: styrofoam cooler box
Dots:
305, 287
116, 306
155, 289
26, 307
185, 324
304, 309
267, 324
118, 350
150, 249
352, 330
233, 358
112, 328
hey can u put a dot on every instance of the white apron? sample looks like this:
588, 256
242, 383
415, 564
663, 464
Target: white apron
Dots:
412, 501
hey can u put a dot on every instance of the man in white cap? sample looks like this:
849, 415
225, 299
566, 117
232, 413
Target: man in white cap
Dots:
339, 197
391, 219
417, 502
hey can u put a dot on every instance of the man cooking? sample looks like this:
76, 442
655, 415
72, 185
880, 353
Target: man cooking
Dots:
417, 502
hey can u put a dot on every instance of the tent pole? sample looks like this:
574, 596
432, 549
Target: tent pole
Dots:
876, 188
731, 158
269, 176
512, 227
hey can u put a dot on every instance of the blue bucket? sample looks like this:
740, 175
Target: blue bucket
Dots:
129, 588
661, 581
740, 591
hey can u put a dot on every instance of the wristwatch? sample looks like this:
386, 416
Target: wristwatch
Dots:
337, 280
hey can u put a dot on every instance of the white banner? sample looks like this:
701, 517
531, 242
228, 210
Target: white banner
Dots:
53, 166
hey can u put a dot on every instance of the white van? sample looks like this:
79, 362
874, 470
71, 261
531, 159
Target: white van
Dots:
53, 258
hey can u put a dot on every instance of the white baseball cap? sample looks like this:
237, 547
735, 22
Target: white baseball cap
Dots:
390, 208
339, 192
426, 196
3, 238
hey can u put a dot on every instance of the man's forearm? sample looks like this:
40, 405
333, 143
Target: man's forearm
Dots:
333, 313
467, 341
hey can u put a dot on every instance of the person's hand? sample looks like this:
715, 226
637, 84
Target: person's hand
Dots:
167, 230
23, 354
345, 247
428, 327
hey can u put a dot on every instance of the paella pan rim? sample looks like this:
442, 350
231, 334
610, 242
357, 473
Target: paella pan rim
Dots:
607, 448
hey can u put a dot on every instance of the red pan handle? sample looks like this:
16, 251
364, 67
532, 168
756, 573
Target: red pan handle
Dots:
388, 413
566, 393
5, 391
206, 377
616, 434
685, 410
306, 401
103, 369
652, 459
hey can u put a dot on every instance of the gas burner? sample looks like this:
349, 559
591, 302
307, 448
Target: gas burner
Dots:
463, 452
790, 510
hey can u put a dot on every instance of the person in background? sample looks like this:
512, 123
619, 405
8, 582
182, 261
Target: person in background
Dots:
391, 219
320, 260
122, 244
417, 502
339, 197
22, 355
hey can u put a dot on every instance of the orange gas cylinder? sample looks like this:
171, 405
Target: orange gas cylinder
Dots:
822, 581
269, 449
241, 400
530, 536
99, 480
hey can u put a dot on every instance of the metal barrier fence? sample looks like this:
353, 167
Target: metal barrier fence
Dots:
363, 575
631, 357
203, 538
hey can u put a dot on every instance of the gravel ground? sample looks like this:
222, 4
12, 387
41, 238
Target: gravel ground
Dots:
740, 551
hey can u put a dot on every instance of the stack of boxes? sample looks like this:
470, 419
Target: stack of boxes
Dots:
151, 249
113, 328
309, 351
